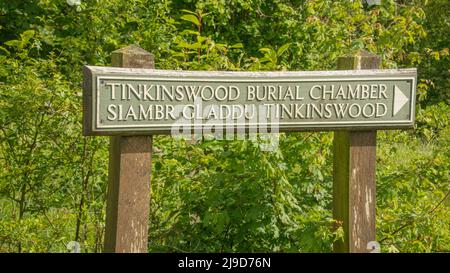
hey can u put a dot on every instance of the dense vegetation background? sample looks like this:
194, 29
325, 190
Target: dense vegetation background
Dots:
216, 195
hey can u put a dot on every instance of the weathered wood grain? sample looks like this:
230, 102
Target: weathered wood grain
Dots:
129, 176
354, 205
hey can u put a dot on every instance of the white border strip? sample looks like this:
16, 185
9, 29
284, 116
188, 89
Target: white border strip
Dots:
99, 127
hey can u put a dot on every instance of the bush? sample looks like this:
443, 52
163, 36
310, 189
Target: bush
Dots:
211, 195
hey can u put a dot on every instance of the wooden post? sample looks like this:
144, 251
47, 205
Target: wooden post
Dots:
354, 173
129, 175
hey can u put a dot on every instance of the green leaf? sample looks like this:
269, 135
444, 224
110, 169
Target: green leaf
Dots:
282, 49
14, 43
191, 18
190, 32
27, 35
265, 49
238, 45
4, 49
188, 11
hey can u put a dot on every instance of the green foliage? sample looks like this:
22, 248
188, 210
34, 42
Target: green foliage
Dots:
38, 156
413, 190
231, 196
211, 195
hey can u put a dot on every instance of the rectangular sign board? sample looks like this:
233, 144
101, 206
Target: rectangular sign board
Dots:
129, 101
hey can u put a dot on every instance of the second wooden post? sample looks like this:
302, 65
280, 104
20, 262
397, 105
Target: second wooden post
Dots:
354, 173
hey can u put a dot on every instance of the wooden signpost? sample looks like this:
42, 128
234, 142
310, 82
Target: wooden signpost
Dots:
132, 101
130, 167
354, 170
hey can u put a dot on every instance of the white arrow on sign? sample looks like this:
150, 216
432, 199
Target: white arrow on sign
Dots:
399, 99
